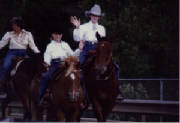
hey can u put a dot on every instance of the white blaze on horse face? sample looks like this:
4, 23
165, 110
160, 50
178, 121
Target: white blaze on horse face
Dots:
72, 76
102, 45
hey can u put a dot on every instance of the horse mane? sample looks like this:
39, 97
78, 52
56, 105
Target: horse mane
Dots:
73, 59
70, 62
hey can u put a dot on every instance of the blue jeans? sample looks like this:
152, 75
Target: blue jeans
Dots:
11, 54
84, 54
82, 58
117, 69
47, 77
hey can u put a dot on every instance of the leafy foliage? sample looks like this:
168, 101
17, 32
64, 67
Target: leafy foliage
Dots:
145, 31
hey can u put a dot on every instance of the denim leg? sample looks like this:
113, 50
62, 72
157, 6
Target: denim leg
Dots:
83, 56
44, 85
6, 66
117, 70
47, 79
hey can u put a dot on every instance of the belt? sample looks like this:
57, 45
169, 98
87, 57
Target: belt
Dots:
90, 42
56, 60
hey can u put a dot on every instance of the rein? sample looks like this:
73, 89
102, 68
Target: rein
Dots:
109, 73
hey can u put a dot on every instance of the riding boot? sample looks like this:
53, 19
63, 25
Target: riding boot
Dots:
3, 93
43, 98
117, 69
3, 89
43, 90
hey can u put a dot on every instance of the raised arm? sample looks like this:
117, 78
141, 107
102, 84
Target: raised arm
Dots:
78, 32
76, 22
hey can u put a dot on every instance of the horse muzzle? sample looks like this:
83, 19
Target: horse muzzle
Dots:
73, 96
100, 72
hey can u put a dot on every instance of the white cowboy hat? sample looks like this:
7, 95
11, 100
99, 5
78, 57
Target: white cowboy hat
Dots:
95, 10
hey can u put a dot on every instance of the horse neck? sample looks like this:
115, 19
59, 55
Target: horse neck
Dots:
36, 63
69, 70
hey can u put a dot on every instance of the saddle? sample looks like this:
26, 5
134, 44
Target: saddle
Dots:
58, 72
48, 98
17, 61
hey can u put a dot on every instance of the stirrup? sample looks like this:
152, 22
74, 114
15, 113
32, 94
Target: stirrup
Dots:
46, 98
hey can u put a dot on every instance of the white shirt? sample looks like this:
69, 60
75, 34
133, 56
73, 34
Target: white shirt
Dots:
57, 50
19, 41
87, 32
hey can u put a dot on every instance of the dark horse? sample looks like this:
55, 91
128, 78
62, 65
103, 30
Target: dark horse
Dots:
22, 80
101, 80
66, 90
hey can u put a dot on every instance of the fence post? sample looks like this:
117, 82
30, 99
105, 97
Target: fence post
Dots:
161, 96
143, 118
161, 90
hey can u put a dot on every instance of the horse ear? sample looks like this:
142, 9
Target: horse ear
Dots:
98, 36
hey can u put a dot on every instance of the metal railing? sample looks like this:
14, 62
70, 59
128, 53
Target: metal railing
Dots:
160, 80
136, 106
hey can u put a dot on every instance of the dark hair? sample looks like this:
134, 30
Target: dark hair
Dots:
55, 32
18, 21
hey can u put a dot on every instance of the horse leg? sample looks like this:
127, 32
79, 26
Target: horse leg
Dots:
51, 114
79, 116
27, 109
98, 111
108, 106
60, 116
73, 116
37, 112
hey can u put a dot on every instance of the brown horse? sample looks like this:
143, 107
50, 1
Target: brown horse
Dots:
101, 80
66, 90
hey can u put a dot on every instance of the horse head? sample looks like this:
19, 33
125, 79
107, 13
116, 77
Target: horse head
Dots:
72, 75
103, 56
